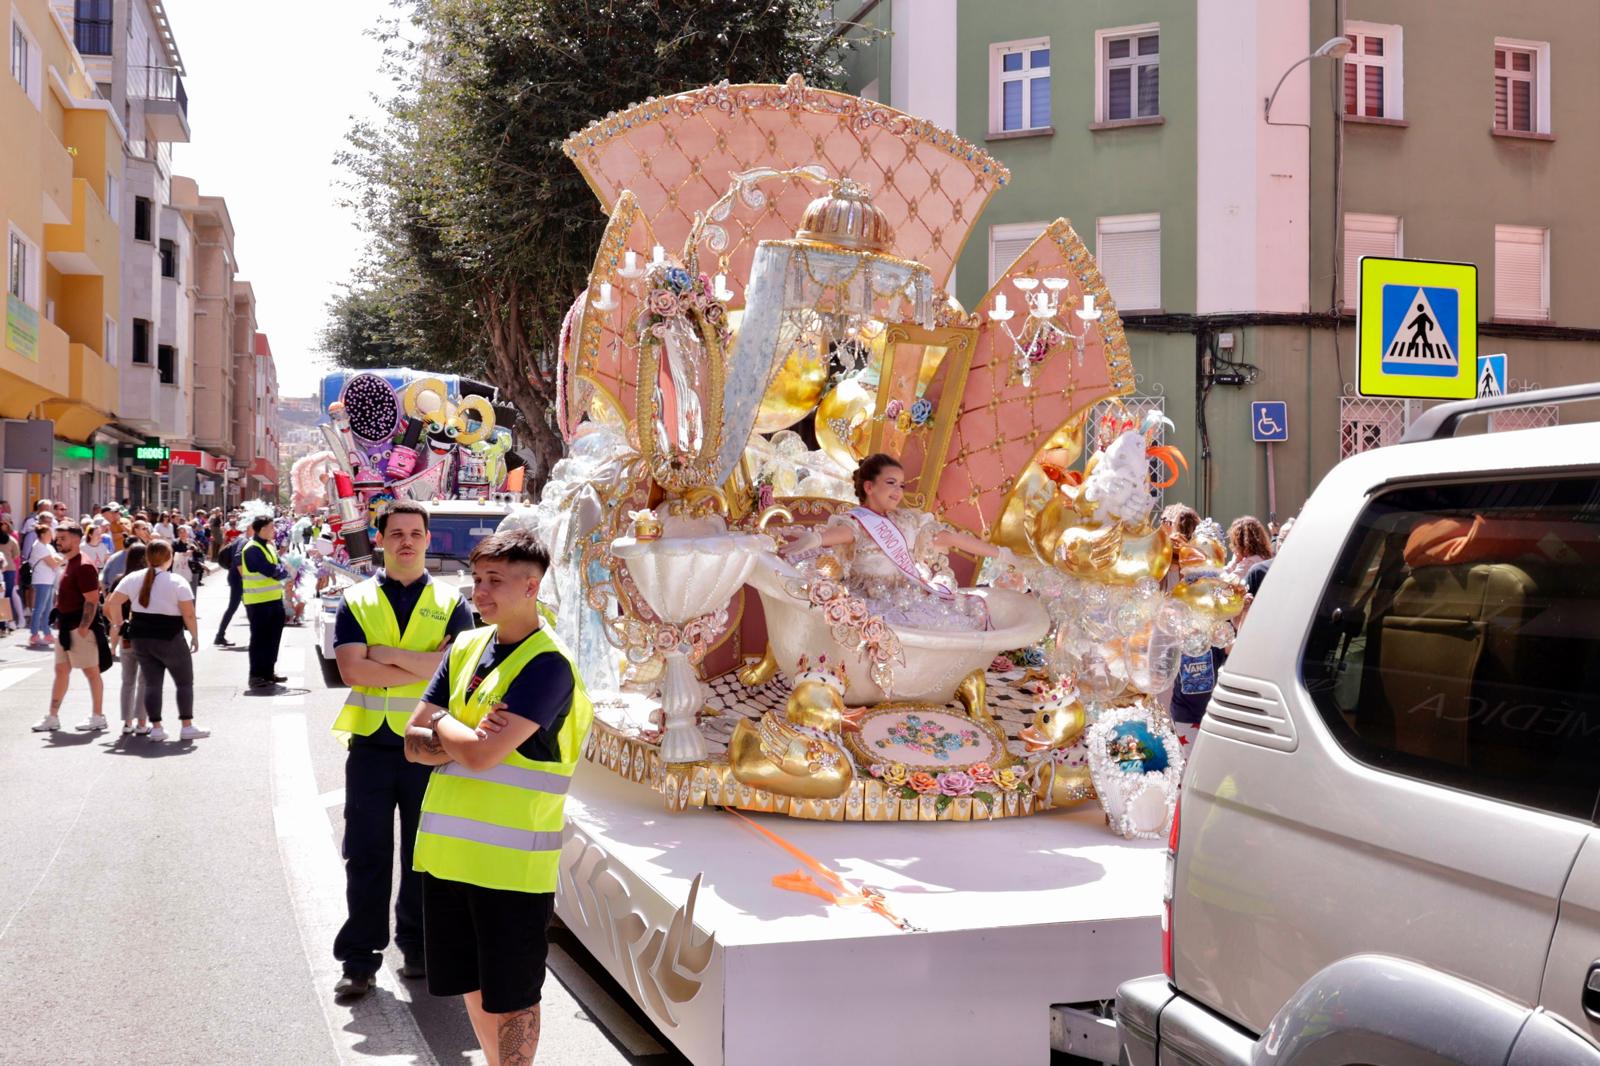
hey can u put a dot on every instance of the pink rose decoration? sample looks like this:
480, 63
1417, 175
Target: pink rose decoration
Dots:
892, 411
982, 773
957, 783
664, 302
1000, 665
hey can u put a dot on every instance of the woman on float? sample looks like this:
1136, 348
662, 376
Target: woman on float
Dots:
896, 557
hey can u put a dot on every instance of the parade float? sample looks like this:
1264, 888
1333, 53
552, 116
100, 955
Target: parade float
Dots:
796, 691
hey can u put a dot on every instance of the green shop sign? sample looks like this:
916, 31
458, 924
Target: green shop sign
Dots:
22, 328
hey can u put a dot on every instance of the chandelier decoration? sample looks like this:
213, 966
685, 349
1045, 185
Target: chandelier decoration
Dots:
1046, 327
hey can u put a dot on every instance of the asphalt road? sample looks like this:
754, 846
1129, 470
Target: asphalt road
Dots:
176, 902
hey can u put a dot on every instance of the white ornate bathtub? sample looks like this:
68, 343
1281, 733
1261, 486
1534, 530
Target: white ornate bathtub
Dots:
936, 660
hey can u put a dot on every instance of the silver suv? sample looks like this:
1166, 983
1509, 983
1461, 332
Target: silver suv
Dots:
1387, 849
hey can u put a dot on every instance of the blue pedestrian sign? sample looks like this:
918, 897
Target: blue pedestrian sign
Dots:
1418, 327
1492, 375
1269, 421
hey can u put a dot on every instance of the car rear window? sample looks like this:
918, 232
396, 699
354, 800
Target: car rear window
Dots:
454, 536
1458, 641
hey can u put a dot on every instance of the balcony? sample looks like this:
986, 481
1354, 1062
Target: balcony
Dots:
91, 395
90, 243
139, 402
29, 377
166, 103
92, 36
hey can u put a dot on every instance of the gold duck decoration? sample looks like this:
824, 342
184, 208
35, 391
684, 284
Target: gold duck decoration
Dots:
799, 752
1056, 726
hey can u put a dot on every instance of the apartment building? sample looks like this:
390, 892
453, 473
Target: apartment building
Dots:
213, 331
62, 164
1229, 239
258, 463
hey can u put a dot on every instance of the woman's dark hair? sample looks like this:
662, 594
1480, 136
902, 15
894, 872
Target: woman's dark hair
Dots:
1183, 518
134, 559
1247, 537
871, 468
259, 522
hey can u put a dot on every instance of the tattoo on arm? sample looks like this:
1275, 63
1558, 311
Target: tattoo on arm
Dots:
422, 744
519, 1037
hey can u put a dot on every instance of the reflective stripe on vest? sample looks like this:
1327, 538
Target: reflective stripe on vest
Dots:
259, 588
367, 707
501, 827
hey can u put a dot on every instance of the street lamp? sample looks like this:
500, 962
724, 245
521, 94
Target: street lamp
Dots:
1332, 48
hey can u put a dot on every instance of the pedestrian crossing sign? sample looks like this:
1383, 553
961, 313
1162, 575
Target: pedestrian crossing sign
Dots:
1418, 327
1491, 375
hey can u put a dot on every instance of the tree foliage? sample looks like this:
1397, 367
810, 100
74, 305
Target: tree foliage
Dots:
482, 232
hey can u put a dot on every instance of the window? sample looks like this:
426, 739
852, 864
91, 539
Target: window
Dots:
26, 65
1458, 641
1521, 86
1019, 86
1128, 248
1522, 272
169, 259
1372, 72
167, 364
1128, 82
141, 341
1008, 241
1377, 235
91, 28
22, 266
143, 209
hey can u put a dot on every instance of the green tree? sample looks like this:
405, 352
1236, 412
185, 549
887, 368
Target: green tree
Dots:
482, 232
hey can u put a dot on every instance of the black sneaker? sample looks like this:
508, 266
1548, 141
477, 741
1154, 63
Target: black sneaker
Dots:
261, 682
224, 642
352, 986
413, 969
280, 677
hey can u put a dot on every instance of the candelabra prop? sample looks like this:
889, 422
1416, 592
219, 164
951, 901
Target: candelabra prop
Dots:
1046, 325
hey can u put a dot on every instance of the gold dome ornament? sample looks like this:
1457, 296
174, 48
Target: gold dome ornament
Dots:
846, 217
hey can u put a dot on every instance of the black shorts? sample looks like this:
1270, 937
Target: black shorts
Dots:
486, 939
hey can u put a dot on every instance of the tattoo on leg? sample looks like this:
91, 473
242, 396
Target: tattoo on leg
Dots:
519, 1037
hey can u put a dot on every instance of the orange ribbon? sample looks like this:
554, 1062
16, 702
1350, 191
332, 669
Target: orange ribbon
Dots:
841, 893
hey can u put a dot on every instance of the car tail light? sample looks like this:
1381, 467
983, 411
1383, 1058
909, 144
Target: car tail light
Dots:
1166, 896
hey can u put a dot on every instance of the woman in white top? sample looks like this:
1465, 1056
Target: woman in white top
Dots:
45, 564
163, 607
163, 527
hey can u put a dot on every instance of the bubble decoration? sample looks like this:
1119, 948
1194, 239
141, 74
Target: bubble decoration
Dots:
372, 406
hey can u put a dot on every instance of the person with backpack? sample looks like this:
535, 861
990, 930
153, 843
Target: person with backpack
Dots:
228, 559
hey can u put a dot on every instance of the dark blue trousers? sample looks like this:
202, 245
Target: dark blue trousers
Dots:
377, 781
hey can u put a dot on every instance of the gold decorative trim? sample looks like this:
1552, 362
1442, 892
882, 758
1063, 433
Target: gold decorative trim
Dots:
793, 95
590, 327
711, 784
961, 345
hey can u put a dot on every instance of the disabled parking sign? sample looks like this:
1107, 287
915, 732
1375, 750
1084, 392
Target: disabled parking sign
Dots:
1418, 327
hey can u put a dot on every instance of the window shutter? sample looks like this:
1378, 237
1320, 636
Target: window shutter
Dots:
1519, 272
1006, 242
1377, 235
1128, 248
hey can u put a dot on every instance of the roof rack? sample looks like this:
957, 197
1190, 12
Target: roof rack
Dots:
1444, 420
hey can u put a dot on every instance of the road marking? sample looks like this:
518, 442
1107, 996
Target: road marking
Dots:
13, 674
382, 1025
54, 855
602, 1007
331, 799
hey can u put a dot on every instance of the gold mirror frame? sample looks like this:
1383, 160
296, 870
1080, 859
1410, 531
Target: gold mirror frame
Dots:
960, 343
699, 471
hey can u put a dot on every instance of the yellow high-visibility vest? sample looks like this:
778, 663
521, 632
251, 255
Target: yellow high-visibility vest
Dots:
259, 588
501, 827
368, 706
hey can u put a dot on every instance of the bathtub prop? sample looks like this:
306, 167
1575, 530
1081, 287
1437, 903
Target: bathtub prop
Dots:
738, 350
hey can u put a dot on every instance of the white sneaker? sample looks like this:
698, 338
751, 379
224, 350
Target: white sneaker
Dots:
95, 724
157, 733
189, 732
49, 724
127, 729
141, 730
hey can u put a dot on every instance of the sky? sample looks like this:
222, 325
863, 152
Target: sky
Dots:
272, 91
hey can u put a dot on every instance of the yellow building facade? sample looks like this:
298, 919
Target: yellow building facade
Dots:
61, 152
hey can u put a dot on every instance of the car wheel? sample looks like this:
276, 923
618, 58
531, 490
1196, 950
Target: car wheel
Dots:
330, 672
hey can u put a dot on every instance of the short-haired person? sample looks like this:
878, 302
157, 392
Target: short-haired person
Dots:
263, 577
389, 637
503, 720
77, 605
228, 559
